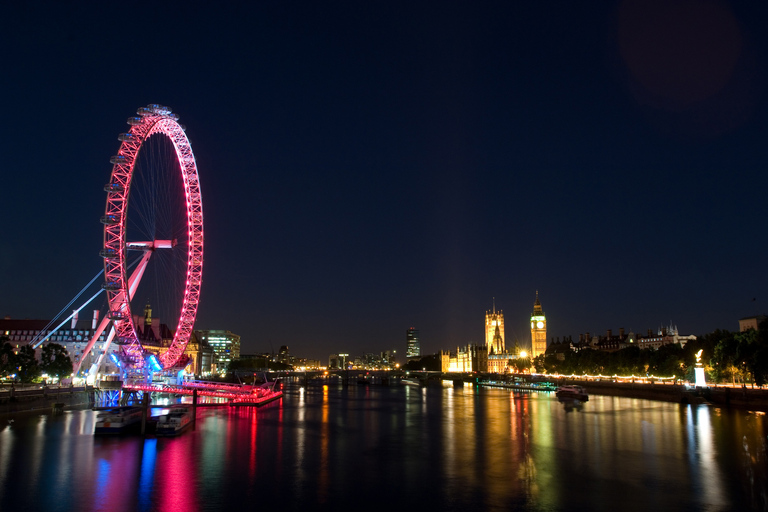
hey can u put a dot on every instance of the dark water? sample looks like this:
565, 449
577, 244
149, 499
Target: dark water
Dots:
399, 447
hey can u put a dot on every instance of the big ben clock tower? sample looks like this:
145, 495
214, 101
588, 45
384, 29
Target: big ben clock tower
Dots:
538, 329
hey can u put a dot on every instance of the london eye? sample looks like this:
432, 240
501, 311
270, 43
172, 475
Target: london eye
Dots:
153, 234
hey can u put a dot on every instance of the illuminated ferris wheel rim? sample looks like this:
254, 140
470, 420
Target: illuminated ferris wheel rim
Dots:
151, 120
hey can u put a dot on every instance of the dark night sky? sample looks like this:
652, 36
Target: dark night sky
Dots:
371, 166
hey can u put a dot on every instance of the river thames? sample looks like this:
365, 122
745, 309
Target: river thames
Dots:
387, 448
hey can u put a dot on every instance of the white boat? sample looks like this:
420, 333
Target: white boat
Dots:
572, 392
175, 421
118, 420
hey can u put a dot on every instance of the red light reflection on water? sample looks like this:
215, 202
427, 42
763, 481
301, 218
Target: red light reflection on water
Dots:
252, 461
117, 465
175, 476
279, 468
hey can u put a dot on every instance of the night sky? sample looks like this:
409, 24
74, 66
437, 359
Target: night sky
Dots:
371, 166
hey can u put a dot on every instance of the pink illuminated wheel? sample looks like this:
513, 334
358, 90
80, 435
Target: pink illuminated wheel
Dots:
162, 222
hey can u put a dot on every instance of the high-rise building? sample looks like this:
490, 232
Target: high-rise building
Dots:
413, 347
338, 361
283, 356
494, 331
225, 345
538, 329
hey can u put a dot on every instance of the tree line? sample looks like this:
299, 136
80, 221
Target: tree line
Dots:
24, 365
735, 357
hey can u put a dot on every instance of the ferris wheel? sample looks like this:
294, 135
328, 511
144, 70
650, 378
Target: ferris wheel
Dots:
162, 222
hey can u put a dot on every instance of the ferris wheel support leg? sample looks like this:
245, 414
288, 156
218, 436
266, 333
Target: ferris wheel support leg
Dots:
135, 279
95, 366
133, 284
94, 339
134, 347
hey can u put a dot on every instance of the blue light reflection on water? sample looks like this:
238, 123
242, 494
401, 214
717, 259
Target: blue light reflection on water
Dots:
104, 480
146, 480
335, 448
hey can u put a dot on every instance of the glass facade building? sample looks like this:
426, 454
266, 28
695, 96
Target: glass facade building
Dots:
225, 345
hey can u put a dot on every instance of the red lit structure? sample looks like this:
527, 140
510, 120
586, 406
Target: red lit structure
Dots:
151, 120
238, 394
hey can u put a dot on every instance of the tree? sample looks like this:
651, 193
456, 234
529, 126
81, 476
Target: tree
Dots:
760, 365
55, 361
521, 364
759, 360
539, 363
430, 363
248, 364
7, 358
668, 360
28, 369
627, 361
725, 358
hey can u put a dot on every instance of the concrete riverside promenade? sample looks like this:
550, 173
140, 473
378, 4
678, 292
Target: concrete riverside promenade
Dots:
36, 397
717, 395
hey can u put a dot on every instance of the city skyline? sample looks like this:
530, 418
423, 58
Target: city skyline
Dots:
368, 168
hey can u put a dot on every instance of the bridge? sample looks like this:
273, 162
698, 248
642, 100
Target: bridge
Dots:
384, 377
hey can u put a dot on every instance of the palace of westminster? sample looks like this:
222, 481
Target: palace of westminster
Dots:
495, 357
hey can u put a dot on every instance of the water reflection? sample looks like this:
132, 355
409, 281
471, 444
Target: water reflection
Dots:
147, 477
706, 478
335, 447
176, 480
570, 404
324, 469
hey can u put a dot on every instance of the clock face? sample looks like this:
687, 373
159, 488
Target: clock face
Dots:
540, 325
531, 325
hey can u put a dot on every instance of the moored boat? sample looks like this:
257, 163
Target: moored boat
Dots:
175, 421
118, 420
519, 385
572, 392
260, 395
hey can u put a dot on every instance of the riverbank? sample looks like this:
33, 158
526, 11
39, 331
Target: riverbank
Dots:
42, 399
741, 398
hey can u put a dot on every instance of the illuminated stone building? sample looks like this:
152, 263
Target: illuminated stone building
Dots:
468, 359
538, 329
413, 347
498, 358
614, 342
74, 336
494, 331
498, 363
664, 336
